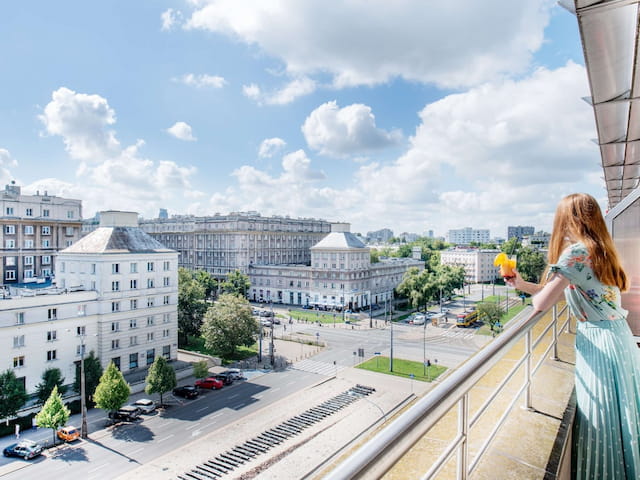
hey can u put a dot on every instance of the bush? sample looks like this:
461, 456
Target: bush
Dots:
24, 422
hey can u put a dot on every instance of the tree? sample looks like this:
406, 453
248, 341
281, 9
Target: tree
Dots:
206, 280
201, 369
229, 324
191, 306
92, 374
54, 413
161, 378
51, 377
112, 391
12, 394
511, 246
490, 313
375, 255
531, 264
236, 283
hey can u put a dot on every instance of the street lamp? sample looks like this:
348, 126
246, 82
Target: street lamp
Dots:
84, 433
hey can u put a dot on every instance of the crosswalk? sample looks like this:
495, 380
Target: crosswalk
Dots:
459, 333
321, 368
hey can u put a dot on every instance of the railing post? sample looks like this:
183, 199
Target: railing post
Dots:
569, 320
463, 429
555, 333
527, 370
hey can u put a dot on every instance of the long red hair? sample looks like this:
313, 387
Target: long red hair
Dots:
579, 219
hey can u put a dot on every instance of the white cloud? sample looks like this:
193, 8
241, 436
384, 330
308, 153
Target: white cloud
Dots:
108, 175
170, 18
297, 87
202, 81
6, 160
270, 146
450, 44
182, 131
345, 131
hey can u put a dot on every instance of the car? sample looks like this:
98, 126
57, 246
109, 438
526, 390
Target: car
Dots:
234, 374
265, 323
145, 405
307, 307
25, 449
267, 313
128, 413
275, 320
210, 382
186, 391
68, 433
224, 377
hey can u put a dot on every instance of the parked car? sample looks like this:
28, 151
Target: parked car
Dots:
128, 413
266, 313
145, 405
186, 391
68, 433
265, 323
209, 382
225, 378
235, 374
25, 449
275, 320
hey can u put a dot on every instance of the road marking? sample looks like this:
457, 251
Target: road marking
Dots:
234, 396
240, 406
193, 426
290, 383
211, 424
217, 414
203, 408
136, 451
165, 438
273, 390
98, 468
258, 396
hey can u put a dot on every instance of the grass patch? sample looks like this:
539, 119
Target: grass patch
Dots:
323, 317
403, 368
506, 318
196, 344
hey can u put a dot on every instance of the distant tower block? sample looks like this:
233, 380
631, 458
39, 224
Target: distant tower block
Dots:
163, 213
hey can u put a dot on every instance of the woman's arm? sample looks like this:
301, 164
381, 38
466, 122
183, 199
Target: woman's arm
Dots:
550, 293
522, 285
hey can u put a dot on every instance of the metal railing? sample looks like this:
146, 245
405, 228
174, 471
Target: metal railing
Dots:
379, 454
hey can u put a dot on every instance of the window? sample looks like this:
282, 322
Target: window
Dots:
10, 229
28, 229
82, 310
166, 318
46, 243
133, 284
166, 266
20, 318
18, 341
51, 355
10, 261
150, 302
28, 273
10, 275
150, 337
9, 210
165, 333
166, 352
28, 213
46, 230
165, 300
149, 282
10, 243
45, 212
81, 350
18, 362
70, 214
133, 323
115, 286
116, 362
115, 326
133, 361
151, 353
149, 266
46, 260
69, 231
52, 313
165, 281
133, 268
150, 321
68, 243
133, 304
52, 335
62, 267
133, 341
115, 306
28, 260
81, 330
93, 269
115, 344
115, 268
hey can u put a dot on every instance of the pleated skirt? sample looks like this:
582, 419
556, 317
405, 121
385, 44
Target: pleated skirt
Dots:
607, 424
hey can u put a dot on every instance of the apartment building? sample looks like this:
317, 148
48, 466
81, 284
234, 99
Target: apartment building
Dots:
221, 244
465, 236
519, 232
33, 228
116, 293
477, 263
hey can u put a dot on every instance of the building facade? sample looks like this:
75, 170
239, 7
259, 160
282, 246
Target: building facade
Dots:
465, 236
341, 275
477, 263
221, 244
519, 232
537, 240
33, 229
116, 294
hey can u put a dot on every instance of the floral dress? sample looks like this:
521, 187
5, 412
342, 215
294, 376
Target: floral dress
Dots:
607, 423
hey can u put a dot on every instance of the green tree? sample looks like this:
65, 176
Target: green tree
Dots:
161, 378
237, 283
490, 313
112, 391
54, 413
12, 394
92, 374
229, 324
419, 287
51, 377
405, 251
375, 255
191, 306
201, 369
511, 246
206, 280
531, 264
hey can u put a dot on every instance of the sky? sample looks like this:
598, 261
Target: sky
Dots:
408, 115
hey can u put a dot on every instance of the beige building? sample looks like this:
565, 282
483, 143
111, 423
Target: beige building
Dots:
33, 229
478, 264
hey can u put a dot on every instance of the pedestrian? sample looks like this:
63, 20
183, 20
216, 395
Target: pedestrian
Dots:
584, 264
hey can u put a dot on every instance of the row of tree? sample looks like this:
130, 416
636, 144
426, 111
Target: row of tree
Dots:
429, 285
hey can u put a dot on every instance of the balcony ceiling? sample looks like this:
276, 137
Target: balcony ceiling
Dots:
609, 32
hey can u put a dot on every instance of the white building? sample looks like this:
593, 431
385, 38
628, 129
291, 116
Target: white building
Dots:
464, 236
478, 264
117, 291
537, 240
341, 275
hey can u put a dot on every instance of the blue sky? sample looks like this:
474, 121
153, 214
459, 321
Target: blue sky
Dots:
409, 115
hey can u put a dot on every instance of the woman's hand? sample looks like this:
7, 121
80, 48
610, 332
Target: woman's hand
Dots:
514, 281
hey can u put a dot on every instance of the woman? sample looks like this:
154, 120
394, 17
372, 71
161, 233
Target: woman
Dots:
583, 263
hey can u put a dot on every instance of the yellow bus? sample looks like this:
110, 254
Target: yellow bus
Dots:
466, 319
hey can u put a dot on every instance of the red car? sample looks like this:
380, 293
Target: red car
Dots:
209, 382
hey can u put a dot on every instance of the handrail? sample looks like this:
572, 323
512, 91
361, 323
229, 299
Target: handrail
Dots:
380, 453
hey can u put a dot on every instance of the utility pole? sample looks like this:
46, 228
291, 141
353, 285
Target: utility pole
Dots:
391, 320
260, 344
84, 433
